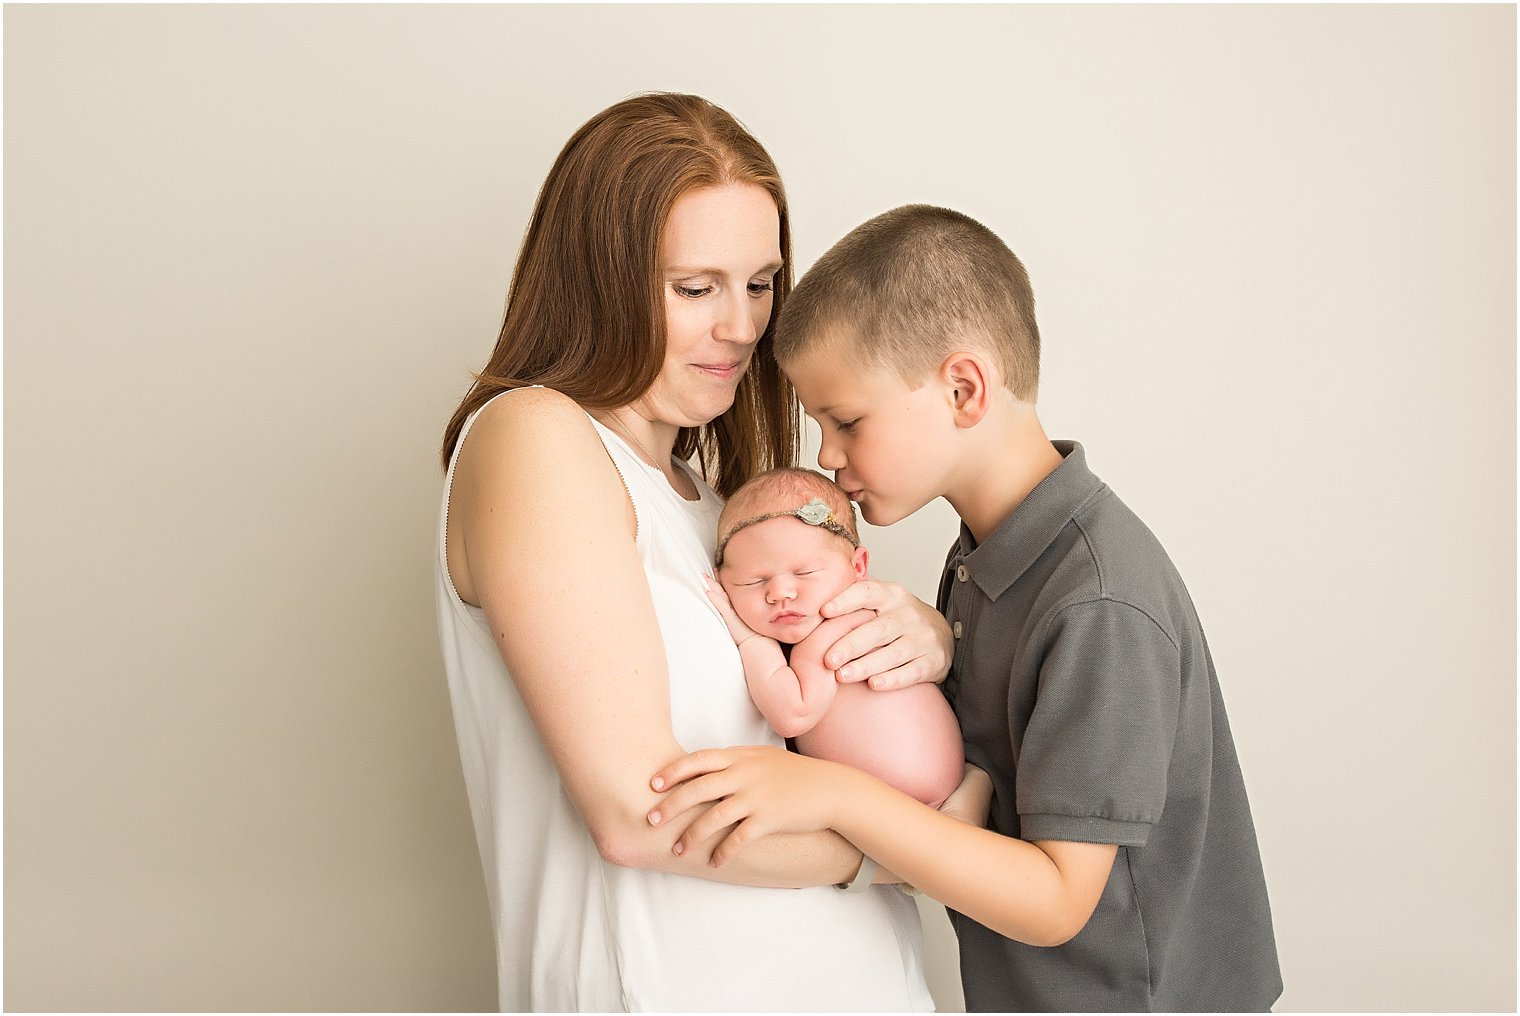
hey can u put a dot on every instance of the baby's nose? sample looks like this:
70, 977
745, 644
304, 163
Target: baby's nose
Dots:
781, 591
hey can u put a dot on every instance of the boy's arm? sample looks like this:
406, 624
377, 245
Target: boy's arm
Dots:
791, 701
1039, 893
1102, 732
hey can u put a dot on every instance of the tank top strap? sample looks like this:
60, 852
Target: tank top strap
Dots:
648, 489
655, 502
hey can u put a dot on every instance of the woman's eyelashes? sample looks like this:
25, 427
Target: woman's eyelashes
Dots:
696, 292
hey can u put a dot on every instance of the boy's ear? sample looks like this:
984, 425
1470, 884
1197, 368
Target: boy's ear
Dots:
860, 562
968, 382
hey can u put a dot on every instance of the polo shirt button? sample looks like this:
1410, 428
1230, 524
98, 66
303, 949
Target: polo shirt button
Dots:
955, 629
960, 572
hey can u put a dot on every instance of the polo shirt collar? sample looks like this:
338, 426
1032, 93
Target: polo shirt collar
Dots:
1033, 526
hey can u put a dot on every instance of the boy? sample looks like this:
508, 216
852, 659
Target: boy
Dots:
786, 546
1120, 839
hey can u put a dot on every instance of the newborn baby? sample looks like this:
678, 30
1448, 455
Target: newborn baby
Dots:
786, 546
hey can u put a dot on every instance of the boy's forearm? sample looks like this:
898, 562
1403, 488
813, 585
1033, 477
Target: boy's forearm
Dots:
1012, 886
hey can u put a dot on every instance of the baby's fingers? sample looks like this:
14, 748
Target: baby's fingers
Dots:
715, 593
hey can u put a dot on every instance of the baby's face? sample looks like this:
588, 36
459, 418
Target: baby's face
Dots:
779, 573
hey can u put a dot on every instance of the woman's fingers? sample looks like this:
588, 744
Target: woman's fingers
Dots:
854, 646
892, 652
867, 594
875, 663
911, 673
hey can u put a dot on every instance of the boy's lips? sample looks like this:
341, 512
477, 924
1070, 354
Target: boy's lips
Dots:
851, 492
787, 617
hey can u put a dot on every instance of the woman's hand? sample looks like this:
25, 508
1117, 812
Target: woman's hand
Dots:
907, 642
758, 791
737, 629
972, 800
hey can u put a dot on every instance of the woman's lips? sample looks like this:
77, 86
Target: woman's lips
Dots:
721, 371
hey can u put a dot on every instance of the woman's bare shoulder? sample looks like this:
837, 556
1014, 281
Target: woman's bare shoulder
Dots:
530, 426
531, 454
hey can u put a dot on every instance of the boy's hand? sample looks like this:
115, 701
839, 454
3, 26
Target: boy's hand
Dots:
737, 629
759, 790
906, 643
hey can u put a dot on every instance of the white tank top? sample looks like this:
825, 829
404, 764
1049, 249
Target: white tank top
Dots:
574, 933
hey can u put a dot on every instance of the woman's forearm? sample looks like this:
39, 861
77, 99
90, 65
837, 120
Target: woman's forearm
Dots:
782, 860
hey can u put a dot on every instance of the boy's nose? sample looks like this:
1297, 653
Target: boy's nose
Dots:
779, 591
829, 457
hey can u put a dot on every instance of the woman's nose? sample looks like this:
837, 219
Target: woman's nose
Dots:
736, 321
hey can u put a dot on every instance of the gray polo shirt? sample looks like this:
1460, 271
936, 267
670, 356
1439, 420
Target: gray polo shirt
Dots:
1084, 687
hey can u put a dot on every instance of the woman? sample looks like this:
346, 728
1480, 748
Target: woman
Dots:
581, 651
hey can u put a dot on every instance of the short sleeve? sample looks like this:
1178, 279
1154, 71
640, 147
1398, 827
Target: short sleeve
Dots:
1092, 766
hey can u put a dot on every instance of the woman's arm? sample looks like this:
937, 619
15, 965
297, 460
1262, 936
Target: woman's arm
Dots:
1039, 893
548, 552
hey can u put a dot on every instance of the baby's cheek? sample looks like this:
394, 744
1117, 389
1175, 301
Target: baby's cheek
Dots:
745, 607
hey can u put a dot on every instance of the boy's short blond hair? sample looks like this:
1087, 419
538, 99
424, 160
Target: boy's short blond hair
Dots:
907, 286
785, 488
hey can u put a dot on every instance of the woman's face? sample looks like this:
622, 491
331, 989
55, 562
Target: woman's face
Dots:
719, 257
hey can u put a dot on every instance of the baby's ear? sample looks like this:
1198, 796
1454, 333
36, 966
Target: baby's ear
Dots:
860, 562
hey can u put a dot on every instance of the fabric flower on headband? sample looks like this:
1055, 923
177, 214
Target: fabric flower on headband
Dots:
815, 513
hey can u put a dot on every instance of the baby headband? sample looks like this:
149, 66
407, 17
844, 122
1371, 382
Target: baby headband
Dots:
814, 513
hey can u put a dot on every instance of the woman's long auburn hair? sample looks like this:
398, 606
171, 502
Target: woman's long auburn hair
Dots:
585, 309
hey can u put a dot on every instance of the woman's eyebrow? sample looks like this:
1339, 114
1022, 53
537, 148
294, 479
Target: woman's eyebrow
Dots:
771, 269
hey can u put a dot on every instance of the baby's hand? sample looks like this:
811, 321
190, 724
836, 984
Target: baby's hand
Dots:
736, 627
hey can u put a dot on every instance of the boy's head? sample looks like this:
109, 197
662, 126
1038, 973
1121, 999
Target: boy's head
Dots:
909, 287
786, 546
898, 339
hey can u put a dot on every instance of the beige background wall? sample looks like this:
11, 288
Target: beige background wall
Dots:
252, 253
